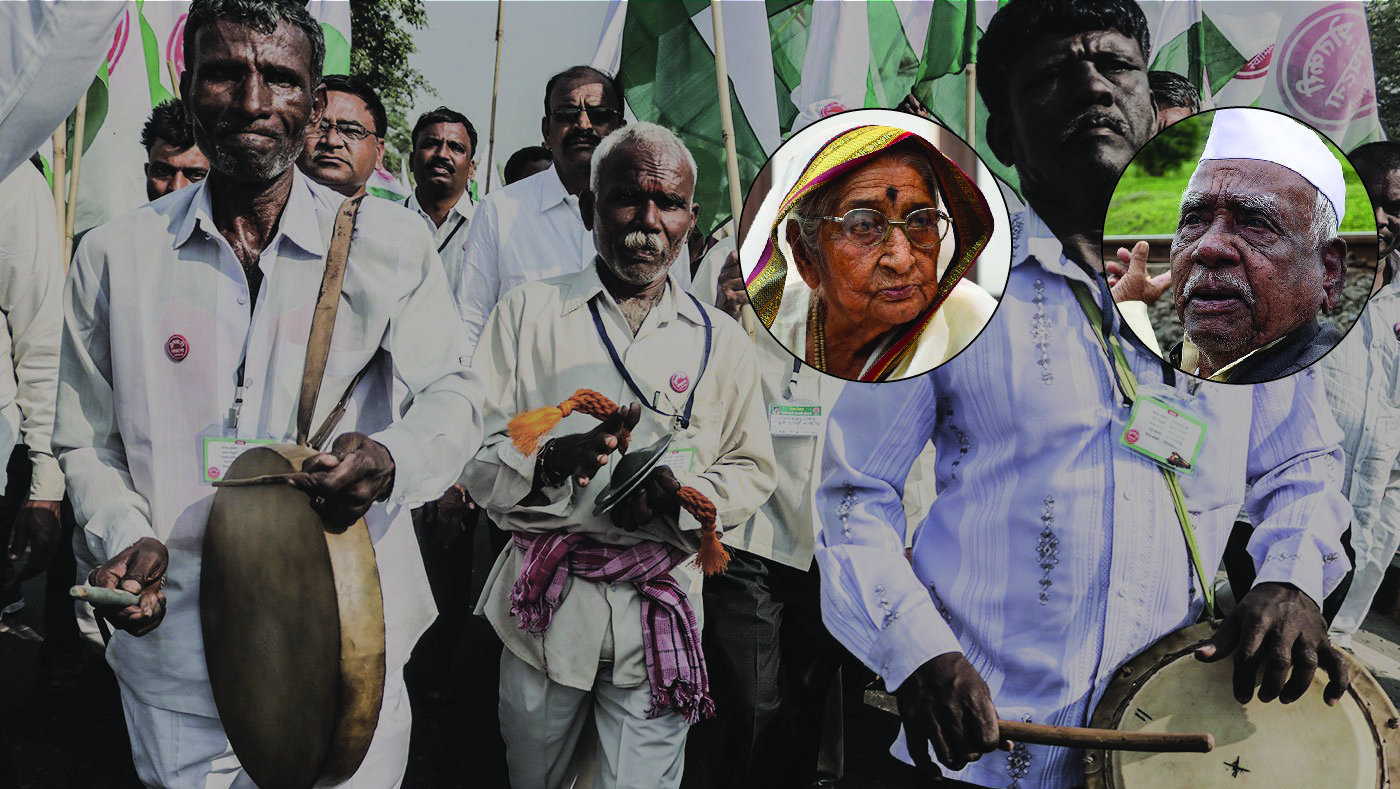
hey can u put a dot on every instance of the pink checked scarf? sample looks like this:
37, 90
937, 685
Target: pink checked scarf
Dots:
670, 636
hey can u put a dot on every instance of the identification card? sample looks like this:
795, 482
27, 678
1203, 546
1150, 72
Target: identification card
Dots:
794, 417
218, 454
1165, 434
682, 460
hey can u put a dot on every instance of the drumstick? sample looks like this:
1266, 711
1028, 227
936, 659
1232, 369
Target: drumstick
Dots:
99, 595
248, 482
1107, 739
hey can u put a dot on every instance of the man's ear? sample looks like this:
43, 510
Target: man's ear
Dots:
585, 208
806, 266
379, 154
1334, 273
544, 131
999, 139
318, 104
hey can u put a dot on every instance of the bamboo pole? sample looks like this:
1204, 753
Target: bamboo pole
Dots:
747, 317
60, 163
971, 86
78, 122
495, 89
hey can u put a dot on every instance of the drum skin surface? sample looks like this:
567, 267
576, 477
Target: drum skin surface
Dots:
293, 621
1303, 744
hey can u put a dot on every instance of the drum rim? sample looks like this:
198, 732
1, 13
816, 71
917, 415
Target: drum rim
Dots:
1365, 690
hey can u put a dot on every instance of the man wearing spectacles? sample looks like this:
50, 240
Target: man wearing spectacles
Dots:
347, 146
532, 229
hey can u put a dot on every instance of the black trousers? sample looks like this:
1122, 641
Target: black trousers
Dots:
771, 664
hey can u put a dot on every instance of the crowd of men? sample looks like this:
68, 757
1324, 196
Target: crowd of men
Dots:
1047, 557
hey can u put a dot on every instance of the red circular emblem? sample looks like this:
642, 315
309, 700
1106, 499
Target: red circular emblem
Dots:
119, 37
177, 348
680, 382
213, 472
831, 108
1132, 436
1324, 72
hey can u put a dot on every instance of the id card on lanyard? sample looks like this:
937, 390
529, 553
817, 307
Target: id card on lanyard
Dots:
679, 421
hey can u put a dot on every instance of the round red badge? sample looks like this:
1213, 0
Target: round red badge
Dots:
177, 348
1132, 437
680, 382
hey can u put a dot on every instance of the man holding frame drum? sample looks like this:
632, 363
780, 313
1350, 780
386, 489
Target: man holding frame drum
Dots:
186, 326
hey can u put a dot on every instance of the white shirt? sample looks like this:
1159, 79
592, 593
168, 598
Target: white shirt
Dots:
523, 232
542, 345
1362, 377
1053, 554
449, 238
130, 415
31, 288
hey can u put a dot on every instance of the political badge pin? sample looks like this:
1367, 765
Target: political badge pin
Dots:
680, 382
177, 348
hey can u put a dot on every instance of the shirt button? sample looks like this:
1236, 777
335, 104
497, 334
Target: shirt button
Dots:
1121, 594
1127, 494
242, 298
248, 381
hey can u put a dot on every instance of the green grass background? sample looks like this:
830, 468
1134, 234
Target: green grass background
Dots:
1144, 204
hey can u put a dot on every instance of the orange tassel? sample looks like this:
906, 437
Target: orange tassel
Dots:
528, 427
713, 557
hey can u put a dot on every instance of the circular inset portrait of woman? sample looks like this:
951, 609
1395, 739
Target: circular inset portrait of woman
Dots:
879, 250
1240, 245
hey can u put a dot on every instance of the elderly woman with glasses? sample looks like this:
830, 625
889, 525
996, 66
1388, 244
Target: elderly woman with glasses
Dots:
867, 223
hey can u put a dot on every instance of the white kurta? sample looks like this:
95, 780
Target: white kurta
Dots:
31, 319
131, 414
449, 238
540, 346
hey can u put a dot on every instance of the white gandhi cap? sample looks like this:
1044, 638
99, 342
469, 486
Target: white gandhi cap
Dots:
1244, 133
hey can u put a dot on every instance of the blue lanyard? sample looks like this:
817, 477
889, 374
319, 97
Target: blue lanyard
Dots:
684, 417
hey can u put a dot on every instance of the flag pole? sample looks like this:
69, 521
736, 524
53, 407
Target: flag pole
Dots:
78, 122
495, 88
971, 86
60, 163
731, 150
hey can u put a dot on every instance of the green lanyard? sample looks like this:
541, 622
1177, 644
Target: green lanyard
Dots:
1129, 384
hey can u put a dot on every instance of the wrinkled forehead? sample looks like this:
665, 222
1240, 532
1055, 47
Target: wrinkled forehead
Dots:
1220, 178
634, 166
873, 176
341, 106
586, 91
286, 46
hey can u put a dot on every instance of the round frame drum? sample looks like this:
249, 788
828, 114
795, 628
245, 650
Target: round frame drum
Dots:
1303, 744
293, 620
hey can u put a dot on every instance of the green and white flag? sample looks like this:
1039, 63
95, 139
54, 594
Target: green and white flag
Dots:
1311, 60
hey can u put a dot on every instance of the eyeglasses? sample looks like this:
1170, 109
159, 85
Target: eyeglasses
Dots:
598, 116
866, 227
348, 130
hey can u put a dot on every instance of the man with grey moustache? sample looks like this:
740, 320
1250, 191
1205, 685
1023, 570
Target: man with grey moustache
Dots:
1256, 253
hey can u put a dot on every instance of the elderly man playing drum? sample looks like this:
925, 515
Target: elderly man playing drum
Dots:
599, 607
185, 331
1056, 549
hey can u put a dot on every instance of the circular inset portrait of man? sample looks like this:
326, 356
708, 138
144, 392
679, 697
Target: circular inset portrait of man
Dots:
1231, 246
866, 255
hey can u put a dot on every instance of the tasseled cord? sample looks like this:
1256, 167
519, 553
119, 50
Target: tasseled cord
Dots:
528, 427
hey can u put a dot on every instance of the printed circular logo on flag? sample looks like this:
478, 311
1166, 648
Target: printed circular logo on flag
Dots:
1258, 65
213, 472
177, 348
119, 37
175, 46
1324, 74
680, 382
832, 108
1132, 436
